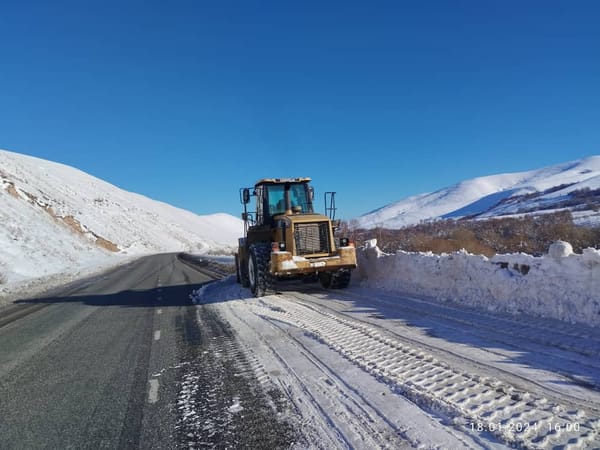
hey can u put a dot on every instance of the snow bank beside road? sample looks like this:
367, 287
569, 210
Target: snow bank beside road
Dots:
563, 286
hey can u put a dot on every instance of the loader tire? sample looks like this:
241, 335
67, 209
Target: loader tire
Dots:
241, 272
262, 282
340, 279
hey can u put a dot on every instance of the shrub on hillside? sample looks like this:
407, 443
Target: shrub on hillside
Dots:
528, 234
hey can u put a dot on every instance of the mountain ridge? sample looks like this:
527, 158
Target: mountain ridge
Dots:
532, 191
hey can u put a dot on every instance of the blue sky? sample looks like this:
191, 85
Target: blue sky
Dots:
186, 101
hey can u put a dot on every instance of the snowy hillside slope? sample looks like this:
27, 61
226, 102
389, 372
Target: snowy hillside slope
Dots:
573, 185
54, 218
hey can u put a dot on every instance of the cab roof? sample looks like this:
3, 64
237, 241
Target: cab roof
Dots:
282, 180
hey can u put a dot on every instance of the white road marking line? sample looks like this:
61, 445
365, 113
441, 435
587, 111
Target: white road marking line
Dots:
159, 310
157, 335
153, 392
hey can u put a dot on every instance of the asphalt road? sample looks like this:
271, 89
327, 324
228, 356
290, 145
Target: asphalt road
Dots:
125, 360
106, 364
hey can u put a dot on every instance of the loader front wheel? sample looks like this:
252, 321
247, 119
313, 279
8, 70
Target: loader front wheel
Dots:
262, 282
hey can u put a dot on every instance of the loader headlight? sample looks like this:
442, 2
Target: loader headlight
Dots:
346, 242
278, 246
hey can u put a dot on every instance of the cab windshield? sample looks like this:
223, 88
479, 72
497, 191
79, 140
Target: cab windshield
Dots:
299, 197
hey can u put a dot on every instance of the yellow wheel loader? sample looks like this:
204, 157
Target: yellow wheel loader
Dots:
285, 238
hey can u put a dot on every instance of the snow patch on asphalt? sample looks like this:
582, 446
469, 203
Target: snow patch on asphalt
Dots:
220, 291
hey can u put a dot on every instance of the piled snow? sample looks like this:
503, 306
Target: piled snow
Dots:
495, 195
55, 220
560, 249
562, 285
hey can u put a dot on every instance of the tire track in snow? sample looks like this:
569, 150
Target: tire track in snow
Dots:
579, 339
580, 368
517, 417
350, 420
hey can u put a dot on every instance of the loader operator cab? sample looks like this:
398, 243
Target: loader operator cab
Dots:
276, 196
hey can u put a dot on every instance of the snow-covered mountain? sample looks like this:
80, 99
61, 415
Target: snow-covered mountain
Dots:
573, 185
54, 219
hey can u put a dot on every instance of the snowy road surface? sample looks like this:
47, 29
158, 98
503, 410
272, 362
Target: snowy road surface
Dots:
363, 369
126, 360
109, 362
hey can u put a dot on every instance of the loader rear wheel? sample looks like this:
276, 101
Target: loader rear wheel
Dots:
339, 279
262, 282
241, 272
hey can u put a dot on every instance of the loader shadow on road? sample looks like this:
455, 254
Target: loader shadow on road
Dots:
165, 296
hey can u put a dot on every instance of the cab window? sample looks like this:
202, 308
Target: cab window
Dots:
276, 200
